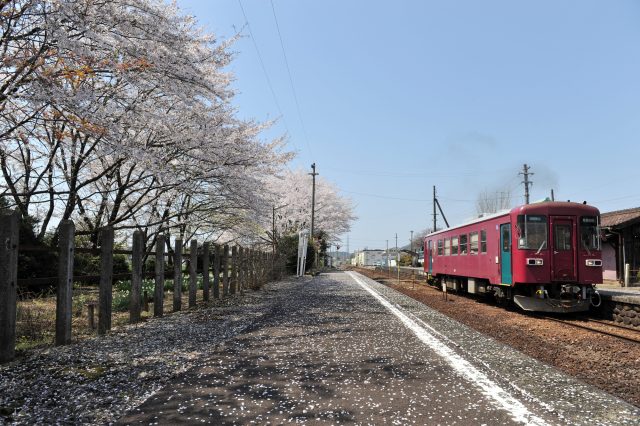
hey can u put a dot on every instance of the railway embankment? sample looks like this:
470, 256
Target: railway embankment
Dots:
621, 305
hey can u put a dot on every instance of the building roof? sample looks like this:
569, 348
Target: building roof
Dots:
619, 218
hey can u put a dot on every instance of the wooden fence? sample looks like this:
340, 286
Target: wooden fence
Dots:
234, 269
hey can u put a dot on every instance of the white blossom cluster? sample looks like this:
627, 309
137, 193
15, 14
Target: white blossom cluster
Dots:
118, 113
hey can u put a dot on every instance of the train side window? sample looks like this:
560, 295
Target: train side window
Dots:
439, 247
447, 246
483, 241
473, 243
463, 244
454, 246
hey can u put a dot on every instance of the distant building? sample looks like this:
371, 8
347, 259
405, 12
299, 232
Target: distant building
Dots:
369, 258
620, 243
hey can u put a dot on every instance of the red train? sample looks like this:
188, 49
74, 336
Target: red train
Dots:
544, 257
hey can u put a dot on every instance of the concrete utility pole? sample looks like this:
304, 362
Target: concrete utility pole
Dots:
434, 208
313, 197
313, 211
397, 258
411, 244
526, 182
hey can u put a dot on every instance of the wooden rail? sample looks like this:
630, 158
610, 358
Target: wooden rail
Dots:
234, 269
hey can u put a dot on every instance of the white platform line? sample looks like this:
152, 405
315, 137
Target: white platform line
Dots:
500, 398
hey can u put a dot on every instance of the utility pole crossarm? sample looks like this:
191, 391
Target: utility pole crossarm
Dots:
526, 173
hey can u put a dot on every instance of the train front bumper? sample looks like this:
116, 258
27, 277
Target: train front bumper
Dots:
535, 304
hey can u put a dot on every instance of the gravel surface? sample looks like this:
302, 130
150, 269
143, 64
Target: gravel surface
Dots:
606, 362
97, 380
311, 350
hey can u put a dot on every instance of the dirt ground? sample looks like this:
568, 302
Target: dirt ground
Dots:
607, 362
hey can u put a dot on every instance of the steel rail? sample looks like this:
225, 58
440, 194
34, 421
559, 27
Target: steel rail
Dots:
595, 330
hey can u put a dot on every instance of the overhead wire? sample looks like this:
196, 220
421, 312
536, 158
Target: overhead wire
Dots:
412, 174
266, 74
293, 89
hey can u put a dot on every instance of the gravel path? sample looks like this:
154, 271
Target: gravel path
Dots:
97, 380
335, 349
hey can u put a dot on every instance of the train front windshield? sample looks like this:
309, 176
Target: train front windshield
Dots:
532, 232
589, 233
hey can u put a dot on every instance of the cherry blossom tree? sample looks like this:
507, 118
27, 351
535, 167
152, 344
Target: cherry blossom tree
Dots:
119, 113
291, 198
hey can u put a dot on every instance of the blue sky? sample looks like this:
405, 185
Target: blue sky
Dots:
397, 96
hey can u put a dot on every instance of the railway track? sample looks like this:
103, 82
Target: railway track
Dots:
573, 323
380, 274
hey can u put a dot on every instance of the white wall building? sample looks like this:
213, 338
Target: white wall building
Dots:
370, 258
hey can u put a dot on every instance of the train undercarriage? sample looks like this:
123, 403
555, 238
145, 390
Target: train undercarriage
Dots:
550, 297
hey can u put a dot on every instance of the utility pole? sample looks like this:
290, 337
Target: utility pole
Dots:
411, 244
526, 182
397, 258
313, 197
313, 212
553, 198
434, 208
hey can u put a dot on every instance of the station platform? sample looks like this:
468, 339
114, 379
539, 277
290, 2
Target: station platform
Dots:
616, 293
620, 304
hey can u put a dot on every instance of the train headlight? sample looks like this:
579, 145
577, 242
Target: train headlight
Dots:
535, 261
593, 262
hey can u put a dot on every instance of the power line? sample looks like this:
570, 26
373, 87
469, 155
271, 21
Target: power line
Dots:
389, 197
382, 196
413, 174
293, 89
264, 70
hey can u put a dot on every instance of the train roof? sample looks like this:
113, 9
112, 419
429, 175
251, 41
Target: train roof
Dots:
559, 207
471, 222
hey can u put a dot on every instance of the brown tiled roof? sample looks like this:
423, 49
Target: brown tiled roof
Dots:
619, 218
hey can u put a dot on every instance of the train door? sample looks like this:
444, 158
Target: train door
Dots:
505, 253
430, 256
562, 244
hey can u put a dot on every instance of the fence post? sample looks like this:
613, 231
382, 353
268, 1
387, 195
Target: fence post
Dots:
137, 252
216, 272
247, 267
265, 269
177, 276
65, 282
205, 272
225, 271
234, 270
9, 233
106, 280
256, 268
193, 273
240, 269
158, 291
